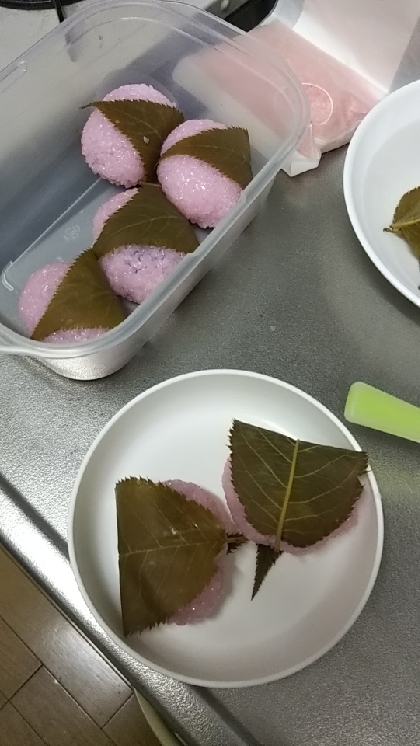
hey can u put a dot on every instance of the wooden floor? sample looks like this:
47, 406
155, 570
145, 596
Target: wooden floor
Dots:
55, 687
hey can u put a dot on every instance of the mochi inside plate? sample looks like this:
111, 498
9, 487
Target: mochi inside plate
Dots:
179, 430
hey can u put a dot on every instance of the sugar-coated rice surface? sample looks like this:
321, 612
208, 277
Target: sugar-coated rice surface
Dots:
199, 191
106, 150
133, 271
210, 597
38, 291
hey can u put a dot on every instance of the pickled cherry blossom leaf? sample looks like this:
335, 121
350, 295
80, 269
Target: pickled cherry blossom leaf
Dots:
82, 300
146, 124
266, 557
406, 220
407, 211
148, 218
291, 490
167, 548
227, 150
411, 234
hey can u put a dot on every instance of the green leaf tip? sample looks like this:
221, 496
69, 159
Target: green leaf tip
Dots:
265, 559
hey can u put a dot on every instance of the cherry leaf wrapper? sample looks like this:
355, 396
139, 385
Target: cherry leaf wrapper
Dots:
266, 557
167, 548
146, 124
83, 300
235, 541
292, 491
406, 220
227, 150
148, 218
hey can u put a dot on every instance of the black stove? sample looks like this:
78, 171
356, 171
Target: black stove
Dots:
38, 5
248, 15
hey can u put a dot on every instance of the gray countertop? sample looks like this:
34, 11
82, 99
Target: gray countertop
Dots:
295, 298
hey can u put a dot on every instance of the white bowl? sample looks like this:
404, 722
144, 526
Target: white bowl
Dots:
179, 429
383, 162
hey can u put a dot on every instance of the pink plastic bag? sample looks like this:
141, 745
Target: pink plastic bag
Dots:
339, 98
346, 53
350, 52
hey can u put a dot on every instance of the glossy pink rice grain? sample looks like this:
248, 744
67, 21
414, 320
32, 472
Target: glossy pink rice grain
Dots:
106, 150
35, 298
133, 271
210, 597
198, 190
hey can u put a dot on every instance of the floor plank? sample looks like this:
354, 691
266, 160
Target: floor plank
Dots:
79, 667
15, 731
50, 710
129, 727
17, 663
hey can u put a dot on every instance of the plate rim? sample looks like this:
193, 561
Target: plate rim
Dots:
217, 684
374, 114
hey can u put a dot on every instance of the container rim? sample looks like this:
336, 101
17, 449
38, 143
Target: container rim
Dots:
15, 343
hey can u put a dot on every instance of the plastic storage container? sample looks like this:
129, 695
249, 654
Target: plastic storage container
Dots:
48, 195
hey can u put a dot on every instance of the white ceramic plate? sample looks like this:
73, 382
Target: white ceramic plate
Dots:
382, 163
179, 429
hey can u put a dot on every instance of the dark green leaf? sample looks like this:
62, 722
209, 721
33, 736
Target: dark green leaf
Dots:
411, 234
235, 541
147, 218
406, 220
294, 491
145, 123
266, 557
226, 150
167, 550
83, 300
407, 211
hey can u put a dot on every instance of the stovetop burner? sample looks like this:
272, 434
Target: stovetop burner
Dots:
38, 5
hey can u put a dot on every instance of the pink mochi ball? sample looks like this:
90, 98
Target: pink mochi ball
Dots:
107, 151
210, 597
198, 190
237, 511
133, 271
35, 298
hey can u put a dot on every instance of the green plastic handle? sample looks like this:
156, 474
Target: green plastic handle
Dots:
374, 408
